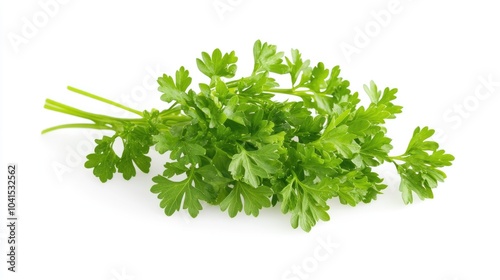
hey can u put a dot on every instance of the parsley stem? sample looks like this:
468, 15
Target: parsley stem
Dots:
76, 125
232, 84
397, 158
63, 108
102, 99
289, 91
169, 117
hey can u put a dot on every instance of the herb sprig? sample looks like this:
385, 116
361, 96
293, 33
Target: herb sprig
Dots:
238, 147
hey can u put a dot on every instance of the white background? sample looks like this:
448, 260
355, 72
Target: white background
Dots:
73, 227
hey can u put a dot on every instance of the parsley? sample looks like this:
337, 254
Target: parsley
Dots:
240, 148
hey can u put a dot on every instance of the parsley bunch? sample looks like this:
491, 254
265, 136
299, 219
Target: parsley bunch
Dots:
236, 146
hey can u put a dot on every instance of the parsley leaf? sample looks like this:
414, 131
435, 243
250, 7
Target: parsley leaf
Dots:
420, 171
254, 199
267, 58
173, 194
136, 145
339, 139
217, 65
175, 90
306, 201
104, 159
253, 166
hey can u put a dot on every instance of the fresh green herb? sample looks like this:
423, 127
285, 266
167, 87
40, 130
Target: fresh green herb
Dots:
238, 147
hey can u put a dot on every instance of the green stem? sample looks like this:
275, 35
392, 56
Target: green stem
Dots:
177, 118
289, 91
170, 111
76, 125
171, 116
401, 158
232, 84
63, 108
102, 99
172, 106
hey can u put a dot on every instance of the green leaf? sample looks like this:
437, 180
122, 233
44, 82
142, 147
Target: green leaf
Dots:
253, 166
298, 67
180, 149
422, 152
136, 143
175, 91
266, 58
339, 89
174, 168
388, 96
232, 113
375, 149
353, 188
173, 194
215, 178
383, 100
253, 87
104, 159
411, 182
318, 77
420, 171
340, 140
373, 92
253, 198
217, 65
306, 202
317, 163
376, 187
